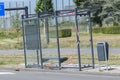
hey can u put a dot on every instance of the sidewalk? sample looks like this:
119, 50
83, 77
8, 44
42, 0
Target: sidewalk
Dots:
114, 70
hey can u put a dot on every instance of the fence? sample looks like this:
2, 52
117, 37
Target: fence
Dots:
11, 15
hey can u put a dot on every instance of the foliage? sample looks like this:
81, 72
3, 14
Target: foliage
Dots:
79, 3
40, 6
9, 34
107, 30
16, 23
44, 6
111, 12
61, 33
66, 24
91, 3
65, 33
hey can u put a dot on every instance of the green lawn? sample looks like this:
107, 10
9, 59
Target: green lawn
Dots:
14, 59
68, 42
113, 40
10, 40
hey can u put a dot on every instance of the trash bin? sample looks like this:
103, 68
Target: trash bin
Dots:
103, 51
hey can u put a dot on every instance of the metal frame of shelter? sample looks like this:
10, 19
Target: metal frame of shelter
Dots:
62, 13
18, 8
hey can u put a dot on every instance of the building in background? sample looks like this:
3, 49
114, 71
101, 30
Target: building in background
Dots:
6, 21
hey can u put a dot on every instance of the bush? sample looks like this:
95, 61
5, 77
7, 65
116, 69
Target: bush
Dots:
2, 35
62, 33
9, 34
107, 30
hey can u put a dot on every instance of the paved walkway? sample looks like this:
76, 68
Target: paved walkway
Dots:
114, 70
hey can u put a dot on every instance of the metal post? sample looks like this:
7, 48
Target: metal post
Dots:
78, 40
24, 41
69, 8
91, 39
47, 30
62, 9
40, 46
106, 57
26, 12
57, 37
10, 14
99, 65
46, 24
37, 57
56, 4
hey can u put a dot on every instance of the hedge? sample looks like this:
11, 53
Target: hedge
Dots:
62, 33
107, 30
8, 34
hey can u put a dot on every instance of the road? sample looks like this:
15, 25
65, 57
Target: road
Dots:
63, 50
29, 75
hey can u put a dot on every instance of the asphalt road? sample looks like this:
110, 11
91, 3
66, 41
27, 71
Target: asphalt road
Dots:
22, 75
63, 50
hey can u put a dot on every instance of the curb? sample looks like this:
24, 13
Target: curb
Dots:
62, 71
72, 72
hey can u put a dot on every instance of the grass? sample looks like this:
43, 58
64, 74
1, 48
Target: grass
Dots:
86, 59
6, 59
10, 44
10, 39
70, 42
9, 59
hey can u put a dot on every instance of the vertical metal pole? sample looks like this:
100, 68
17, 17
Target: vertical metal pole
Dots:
56, 4
105, 56
99, 65
91, 39
10, 13
23, 6
78, 40
62, 9
4, 25
69, 8
22, 3
47, 30
40, 46
24, 41
29, 7
46, 24
26, 12
23, 30
37, 57
57, 37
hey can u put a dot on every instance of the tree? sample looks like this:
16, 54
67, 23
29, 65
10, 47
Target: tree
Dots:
79, 3
111, 12
45, 6
91, 3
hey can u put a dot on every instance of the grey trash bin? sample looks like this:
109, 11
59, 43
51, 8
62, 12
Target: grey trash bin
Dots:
103, 51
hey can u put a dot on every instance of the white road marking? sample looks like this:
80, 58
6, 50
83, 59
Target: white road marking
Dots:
6, 73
